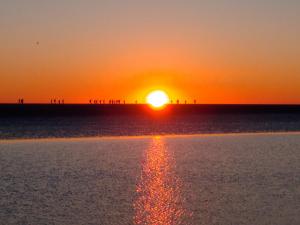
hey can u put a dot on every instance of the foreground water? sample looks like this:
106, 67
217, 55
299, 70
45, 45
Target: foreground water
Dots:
214, 179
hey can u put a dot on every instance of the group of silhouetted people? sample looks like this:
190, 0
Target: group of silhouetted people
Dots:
21, 101
111, 101
118, 101
185, 101
59, 101
96, 101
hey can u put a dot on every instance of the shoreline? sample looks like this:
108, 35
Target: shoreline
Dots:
148, 136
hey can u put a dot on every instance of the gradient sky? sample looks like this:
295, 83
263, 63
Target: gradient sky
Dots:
226, 51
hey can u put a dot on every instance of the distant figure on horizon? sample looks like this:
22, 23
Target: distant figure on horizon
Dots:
177, 101
195, 101
185, 102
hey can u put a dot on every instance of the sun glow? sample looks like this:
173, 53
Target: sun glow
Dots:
157, 99
160, 198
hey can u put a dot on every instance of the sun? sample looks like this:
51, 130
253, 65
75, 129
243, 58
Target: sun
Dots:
157, 99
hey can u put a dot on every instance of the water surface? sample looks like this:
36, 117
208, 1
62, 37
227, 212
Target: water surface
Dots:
215, 179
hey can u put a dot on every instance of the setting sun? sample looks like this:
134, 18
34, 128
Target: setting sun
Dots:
157, 98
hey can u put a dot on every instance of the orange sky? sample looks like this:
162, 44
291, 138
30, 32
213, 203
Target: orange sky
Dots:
246, 52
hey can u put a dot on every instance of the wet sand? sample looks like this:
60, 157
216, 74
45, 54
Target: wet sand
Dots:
199, 179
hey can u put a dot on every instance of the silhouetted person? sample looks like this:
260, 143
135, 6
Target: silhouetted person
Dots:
185, 102
177, 101
195, 101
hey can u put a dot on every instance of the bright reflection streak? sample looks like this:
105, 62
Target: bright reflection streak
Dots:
159, 200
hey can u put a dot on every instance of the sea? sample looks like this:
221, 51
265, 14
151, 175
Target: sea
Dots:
63, 121
133, 165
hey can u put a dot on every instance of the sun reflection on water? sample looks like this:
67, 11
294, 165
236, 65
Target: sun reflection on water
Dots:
159, 198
